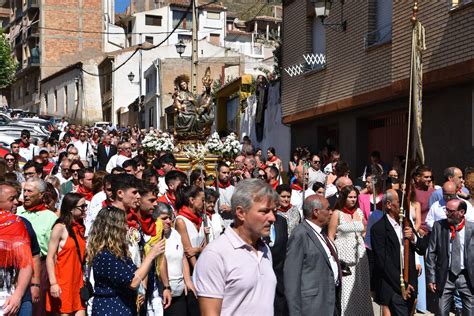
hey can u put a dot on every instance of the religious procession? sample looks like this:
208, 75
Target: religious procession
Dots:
279, 193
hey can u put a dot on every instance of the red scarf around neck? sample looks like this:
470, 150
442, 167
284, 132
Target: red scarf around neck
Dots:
273, 159
147, 224
297, 187
223, 185
274, 184
105, 203
285, 209
457, 228
15, 249
37, 208
86, 193
349, 211
188, 213
22, 145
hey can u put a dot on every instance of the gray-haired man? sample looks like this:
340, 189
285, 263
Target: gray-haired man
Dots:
234, 274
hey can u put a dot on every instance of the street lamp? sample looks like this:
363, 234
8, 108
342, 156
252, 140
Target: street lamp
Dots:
322, 9
131, 76
180, 47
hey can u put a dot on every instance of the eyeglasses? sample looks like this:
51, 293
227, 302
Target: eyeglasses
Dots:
316, 161
66, 169
29, 173
10, 159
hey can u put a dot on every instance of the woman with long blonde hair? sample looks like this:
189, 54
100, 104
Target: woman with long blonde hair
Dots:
116, 276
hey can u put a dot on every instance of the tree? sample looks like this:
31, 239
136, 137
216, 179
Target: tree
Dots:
7, 63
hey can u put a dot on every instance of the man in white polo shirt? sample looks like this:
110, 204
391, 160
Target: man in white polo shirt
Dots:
234, 274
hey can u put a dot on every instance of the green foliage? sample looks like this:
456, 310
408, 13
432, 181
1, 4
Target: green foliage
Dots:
7, 63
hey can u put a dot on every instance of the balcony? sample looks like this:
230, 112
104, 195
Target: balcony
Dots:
33, 4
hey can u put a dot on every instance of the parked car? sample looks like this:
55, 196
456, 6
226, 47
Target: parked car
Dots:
101, 125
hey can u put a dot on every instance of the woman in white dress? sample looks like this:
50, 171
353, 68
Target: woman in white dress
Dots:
189, 222
346, 229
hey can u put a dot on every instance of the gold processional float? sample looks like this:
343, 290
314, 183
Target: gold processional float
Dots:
192, 143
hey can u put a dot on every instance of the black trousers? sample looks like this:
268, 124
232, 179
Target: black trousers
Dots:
184, 305
399, 307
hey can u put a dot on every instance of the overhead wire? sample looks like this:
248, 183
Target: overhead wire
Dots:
185, 13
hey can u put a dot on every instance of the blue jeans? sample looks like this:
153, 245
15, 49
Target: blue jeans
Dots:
26, 309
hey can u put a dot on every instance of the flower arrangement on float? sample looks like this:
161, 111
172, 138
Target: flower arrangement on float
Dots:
156, 142
214, 144
231, 146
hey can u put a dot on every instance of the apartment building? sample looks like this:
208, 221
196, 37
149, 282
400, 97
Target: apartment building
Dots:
47, 36
158, 20
356, 82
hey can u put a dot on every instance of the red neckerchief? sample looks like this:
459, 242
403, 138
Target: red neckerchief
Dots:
105, 203
274, 184
161, 172
37, 208
15, 249
224, 185
194, 218
297, 187
349, 211
132, 221
122, 153
457, 228
262, 166
147, 224
22, 145
284, 209
273, 159
86, 193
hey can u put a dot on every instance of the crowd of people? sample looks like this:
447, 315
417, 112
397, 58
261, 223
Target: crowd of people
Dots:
91, 224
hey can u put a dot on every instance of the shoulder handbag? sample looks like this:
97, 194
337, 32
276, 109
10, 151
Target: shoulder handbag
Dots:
87, 291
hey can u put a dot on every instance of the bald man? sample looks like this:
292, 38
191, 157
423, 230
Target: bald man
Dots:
438, 209
297, 189
332, 191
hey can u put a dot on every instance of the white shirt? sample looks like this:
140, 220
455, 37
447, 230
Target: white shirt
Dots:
28, 153
61, 178
93, 209
332, 260
84, 149
162, 187
174, 252
398, 230
297, 198
115, 161
437, 212
315, 176
331, 189
461, 241
195, 237
217, 226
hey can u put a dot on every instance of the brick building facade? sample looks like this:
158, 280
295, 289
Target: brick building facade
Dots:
362, 89
47, 36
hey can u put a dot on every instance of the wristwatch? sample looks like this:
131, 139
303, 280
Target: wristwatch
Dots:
167, 288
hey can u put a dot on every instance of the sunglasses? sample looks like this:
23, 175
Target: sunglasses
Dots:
10, 159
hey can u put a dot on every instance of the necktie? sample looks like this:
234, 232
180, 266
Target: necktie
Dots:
335, 256
456, 255
107, 150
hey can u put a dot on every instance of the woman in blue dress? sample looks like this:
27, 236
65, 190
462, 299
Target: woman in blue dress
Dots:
116, 276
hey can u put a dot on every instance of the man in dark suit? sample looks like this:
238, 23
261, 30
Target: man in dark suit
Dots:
312, 272
450, 258
277, 242
105, 150
386, 238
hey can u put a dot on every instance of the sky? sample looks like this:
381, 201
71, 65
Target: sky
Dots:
121, 5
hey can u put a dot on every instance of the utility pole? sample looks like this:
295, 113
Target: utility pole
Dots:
194, 55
